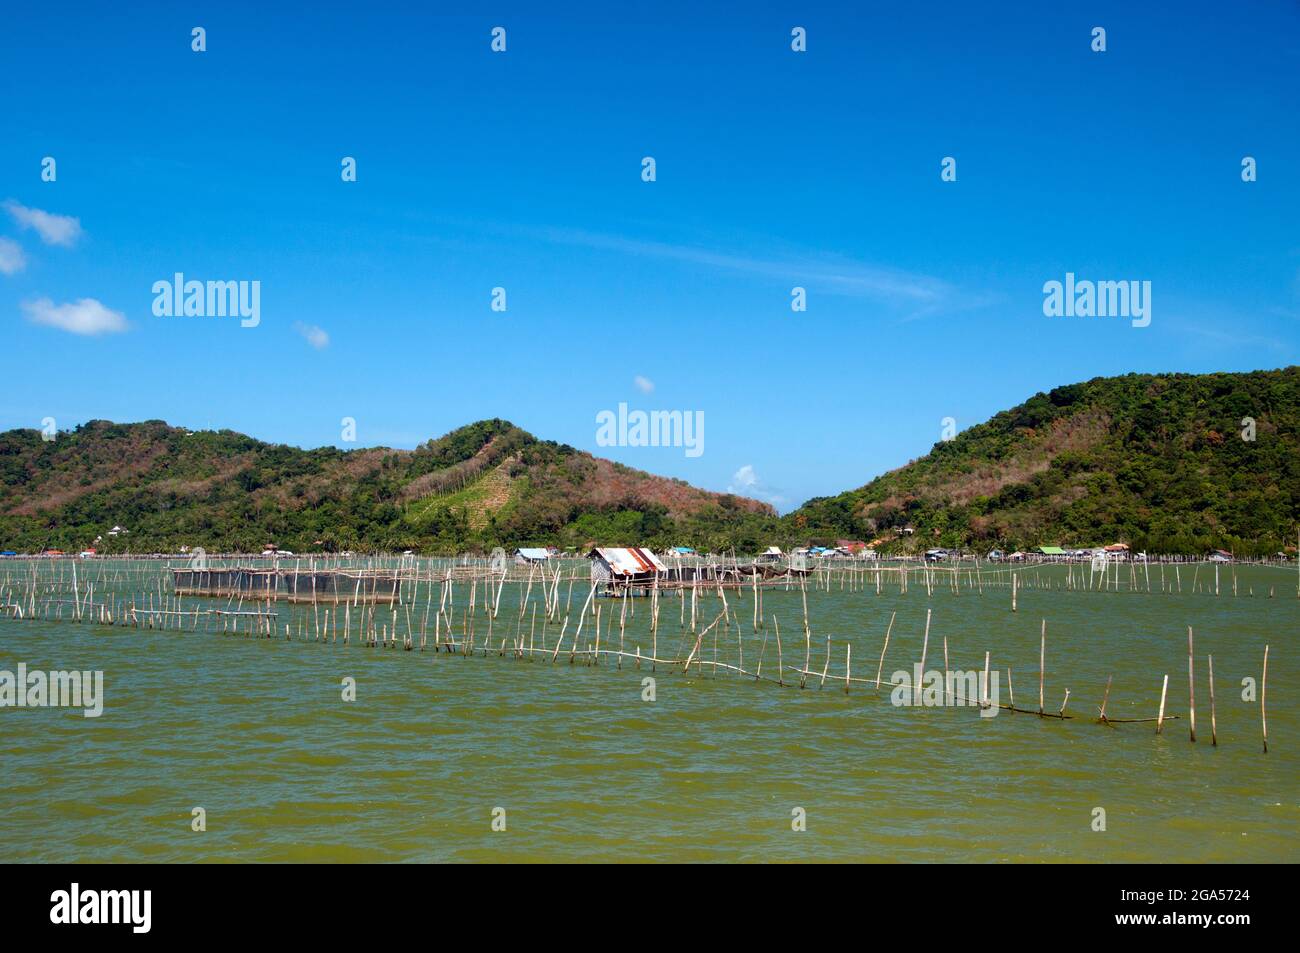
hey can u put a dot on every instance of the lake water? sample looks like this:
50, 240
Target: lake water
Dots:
255, 731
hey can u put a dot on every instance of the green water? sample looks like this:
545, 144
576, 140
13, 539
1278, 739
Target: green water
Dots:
255, 732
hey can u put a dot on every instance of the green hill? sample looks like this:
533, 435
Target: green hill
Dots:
1158, 461
489, 483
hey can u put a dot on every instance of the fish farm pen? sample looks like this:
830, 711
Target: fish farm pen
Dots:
291, 585
703, 617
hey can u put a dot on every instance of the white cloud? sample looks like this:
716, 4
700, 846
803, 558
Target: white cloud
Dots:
914, 294
644, 384
12, 259
84, 316
906, 295
316, 337
53, 229
744, 478
745, 482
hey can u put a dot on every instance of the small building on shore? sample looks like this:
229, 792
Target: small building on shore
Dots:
624, 565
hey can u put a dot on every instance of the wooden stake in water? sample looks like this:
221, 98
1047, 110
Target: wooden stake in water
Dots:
924, 646
1042, 661
1191, 686
885, 648
1263, 689
622, 621
1160, 718
984, 686
947, 694
807, 655
780, 660
1214, 732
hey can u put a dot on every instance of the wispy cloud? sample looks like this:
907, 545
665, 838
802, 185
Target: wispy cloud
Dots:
316, 337
915, 294
745, 482
905, 295
644, 384
12, 259
85, 316
54, 229
1238, 339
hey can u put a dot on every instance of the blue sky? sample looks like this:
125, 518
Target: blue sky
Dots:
522, 170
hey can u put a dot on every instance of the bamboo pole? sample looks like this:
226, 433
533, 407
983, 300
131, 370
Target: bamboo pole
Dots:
985, 701
1160, 718
925, 644
885, 648
807, 653
1214, 733
1042, 661
1263, 689
780, 662
947, 693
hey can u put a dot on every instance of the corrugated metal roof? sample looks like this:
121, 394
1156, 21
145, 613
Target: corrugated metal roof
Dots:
630, 560
532, 553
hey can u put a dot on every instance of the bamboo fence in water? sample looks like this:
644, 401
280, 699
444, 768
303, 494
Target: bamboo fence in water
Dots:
421, 614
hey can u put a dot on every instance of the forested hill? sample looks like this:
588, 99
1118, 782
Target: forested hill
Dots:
1158, 461
485, 484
